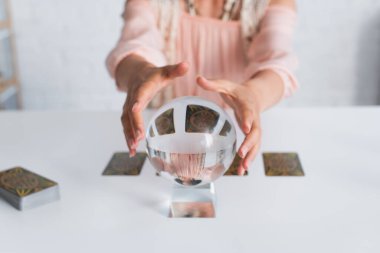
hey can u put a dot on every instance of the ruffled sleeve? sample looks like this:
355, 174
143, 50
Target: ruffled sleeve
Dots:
271, 48
140, 35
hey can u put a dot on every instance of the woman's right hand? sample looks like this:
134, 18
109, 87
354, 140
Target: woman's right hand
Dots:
142, 81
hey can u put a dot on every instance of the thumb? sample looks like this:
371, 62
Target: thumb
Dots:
173, 71
221, 86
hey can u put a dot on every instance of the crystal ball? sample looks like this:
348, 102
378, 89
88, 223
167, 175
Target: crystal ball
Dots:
191, 141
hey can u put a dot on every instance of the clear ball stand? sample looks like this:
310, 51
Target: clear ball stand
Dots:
193, 202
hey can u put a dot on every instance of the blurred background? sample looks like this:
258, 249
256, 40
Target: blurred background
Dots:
52, 54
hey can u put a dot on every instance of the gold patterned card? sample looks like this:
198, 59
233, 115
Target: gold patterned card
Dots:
226, 128
200, 119
233, 169
121, 164
282, 164
164, 123
21, 182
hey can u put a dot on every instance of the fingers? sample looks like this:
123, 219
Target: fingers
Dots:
139, 97
250, 140
244, 118
246, 123
143, 97
222, 86
250, 156
138, 103
133, 141
133, 124
249, 148
127, 129
241, 170
144, 94
137, 123
146, 91
244, 163
173, 71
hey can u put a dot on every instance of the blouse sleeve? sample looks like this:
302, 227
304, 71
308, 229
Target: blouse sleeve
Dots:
271, 48
140, 35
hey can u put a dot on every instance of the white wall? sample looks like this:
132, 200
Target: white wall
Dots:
338, 43
62, 46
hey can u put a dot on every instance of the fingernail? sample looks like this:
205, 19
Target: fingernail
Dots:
132, 153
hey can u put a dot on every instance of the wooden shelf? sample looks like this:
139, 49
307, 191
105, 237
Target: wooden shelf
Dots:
11, 81
7, 91
11, 87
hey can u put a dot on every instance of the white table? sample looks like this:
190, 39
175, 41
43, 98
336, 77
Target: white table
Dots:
334, 208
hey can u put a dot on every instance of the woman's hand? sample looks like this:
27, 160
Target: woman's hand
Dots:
141, 80
243, 100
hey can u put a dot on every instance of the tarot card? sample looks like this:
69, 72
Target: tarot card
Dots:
121, 164
165, 123
282, 164
22, 182
225, 129
200, 119
233, 169
24, 189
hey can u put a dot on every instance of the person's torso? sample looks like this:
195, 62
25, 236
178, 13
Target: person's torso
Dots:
213, 48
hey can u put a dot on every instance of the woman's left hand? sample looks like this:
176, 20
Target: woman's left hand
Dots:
243, 100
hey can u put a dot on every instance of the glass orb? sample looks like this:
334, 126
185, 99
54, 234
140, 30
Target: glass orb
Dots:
191, 141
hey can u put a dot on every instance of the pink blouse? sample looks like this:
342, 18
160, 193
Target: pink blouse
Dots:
213, 48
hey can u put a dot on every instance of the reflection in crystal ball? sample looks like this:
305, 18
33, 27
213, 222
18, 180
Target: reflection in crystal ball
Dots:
191, 141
